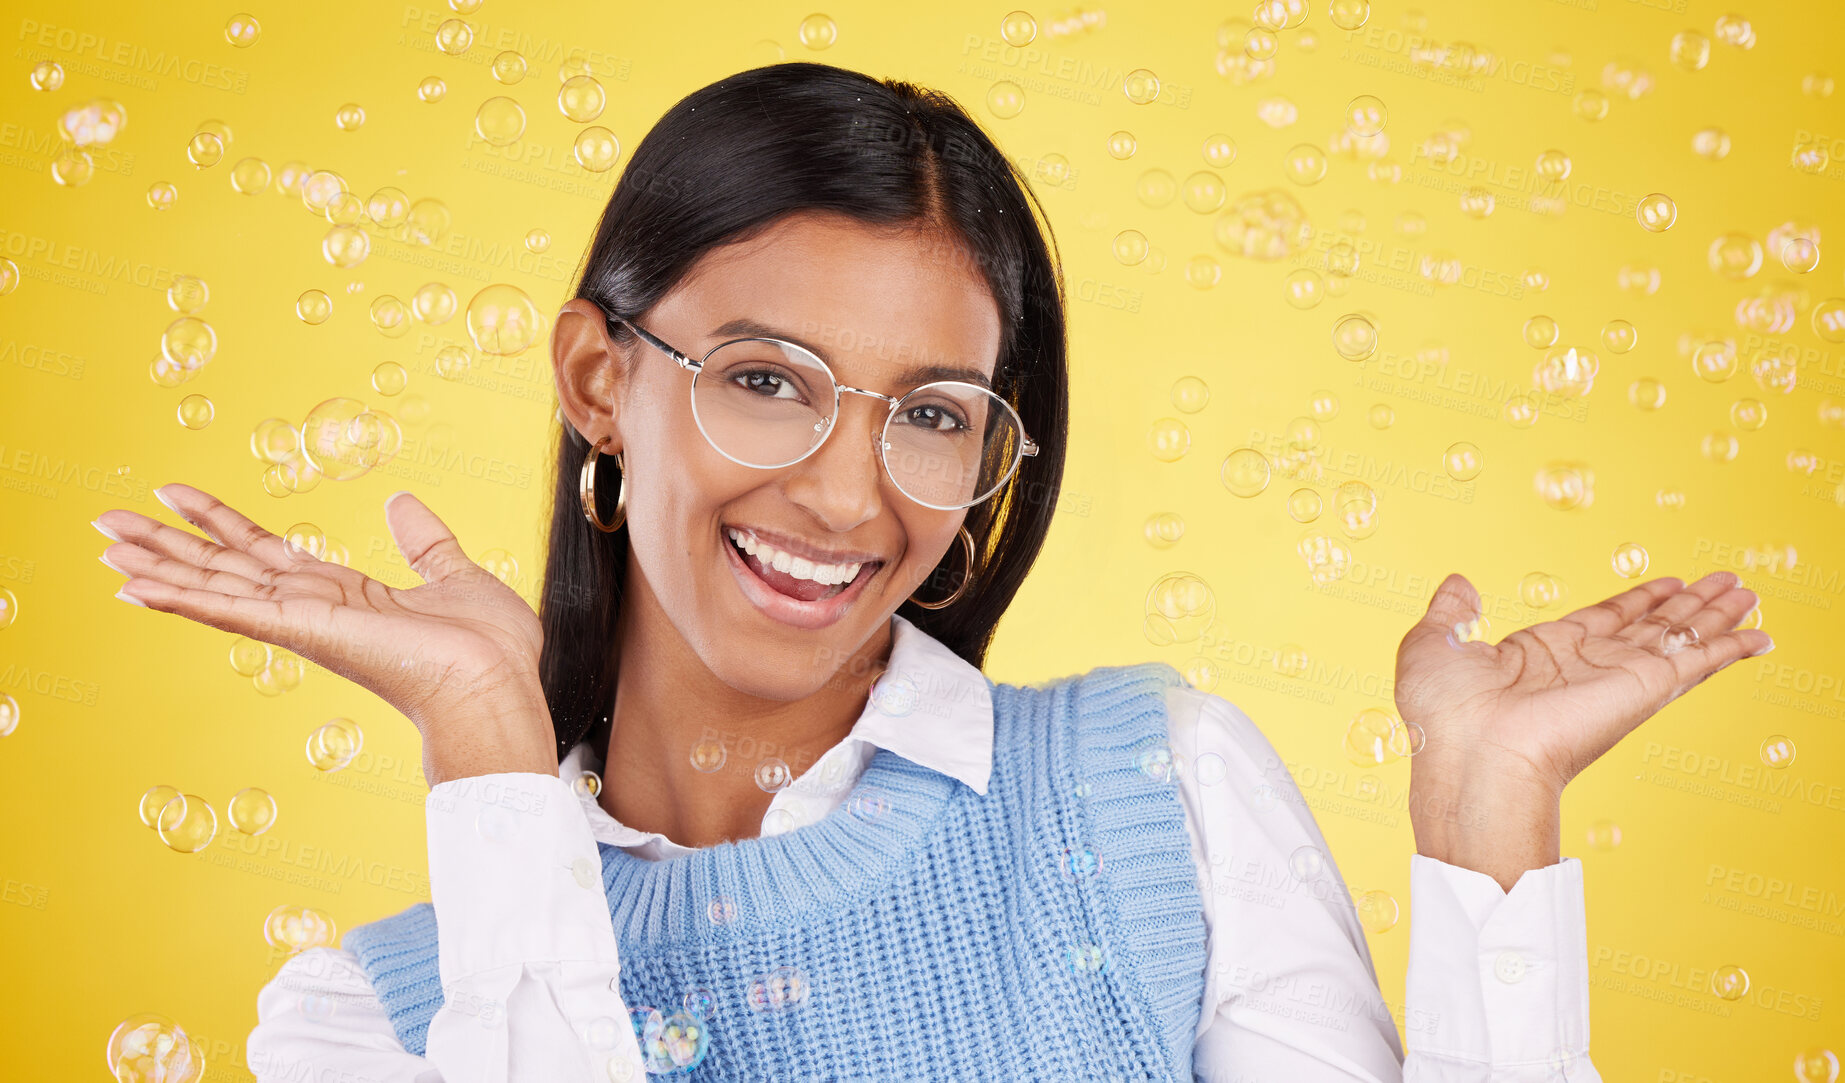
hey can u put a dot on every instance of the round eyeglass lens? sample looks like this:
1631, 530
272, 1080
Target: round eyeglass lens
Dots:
766, 403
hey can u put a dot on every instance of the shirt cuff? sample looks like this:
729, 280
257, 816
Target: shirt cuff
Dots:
514, 875
1495, 976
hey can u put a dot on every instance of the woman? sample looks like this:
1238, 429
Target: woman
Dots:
824, 844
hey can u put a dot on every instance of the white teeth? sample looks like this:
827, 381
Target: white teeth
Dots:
788, 563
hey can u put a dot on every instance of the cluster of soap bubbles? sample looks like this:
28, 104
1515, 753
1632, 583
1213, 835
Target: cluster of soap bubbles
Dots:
332, 745
1375, 737
151, 1048
1179, 607
187, 823
670, 1043
501, 121
782, 989
298, 928
271, 669
187, 345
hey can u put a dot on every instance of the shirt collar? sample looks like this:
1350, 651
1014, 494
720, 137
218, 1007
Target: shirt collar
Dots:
930, 706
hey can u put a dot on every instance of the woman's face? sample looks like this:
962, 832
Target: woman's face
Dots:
872, 304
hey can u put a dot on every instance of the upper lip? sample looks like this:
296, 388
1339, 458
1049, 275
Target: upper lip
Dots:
794, 546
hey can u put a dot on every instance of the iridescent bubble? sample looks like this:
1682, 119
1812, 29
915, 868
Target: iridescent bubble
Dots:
1669, 499
1729, 982
242, 30
152, 801
1656, 212
1735, 256
1163, 529
781, 989
313, 307
1591, 104
500, 121
1800, 255
1604, 835
1540, 332
1303, 288
1629, 560
773, 775
1354, 337
1816, 1065
349, 117
1365, 115
1714, 362
1619, 336
1121, 145
1828, 319
1748, 414
298, 928
1245, 472
431, 88
95, 123
1348, 14
73, 166
1130, 247
1720, 447
1676, 638
1018, 28
250, 176
1078, 863
1711, 143
389, 378
1689, 50
1778, 751
1219, 149
334, 744
1377, 911
205, 150
150, 1048
1540, 590
1817, 85
47, 75
1202, 271
1156, 187
508, 66
596, 149
1005, 99
1204, 192
161, 195
252, 811
454, 36
1381, 415
1735, 30
1475, 629
537, 241
1141, 86
502, 320
581, 99
434, 303
708, 755
817, 31
1304, 505
1179, 608
346, 246
1190, 394
452, 362
1553, 165
186, 823
187, 294
390, 316
1463, 461
1305, 164
1368, 738
427, 223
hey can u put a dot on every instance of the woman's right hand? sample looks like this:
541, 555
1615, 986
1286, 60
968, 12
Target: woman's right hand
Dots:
457, 655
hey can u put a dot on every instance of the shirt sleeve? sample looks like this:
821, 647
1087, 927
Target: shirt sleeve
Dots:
1497, 987
527, 958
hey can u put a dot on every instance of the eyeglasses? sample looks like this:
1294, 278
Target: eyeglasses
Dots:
767, 403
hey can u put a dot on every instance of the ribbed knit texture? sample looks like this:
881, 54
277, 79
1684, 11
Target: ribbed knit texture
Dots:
935, 926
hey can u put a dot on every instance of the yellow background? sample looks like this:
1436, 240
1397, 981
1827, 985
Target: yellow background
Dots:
99, 920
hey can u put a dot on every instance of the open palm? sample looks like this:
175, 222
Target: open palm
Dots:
433, 651
1553, 697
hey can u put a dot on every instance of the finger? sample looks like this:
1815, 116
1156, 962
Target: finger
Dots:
1723, 612
428, 545
1679, 609
1455, 601
156, 536
135, 562
1707, 656
227, 526
1610, 615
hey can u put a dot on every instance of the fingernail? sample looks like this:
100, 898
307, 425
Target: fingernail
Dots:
110, 566
105, 531
162, 497
131, 599
1764, 650
394, 496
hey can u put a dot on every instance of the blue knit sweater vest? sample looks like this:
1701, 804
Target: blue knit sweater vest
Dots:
1050, 929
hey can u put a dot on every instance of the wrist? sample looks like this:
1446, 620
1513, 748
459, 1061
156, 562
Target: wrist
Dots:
490, 740
1497, 820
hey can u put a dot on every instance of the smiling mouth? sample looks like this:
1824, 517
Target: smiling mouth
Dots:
799, 587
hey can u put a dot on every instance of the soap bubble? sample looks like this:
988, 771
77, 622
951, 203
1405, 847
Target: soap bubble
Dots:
454, 36
1777, 751
581, 99
1463, 461
1349, 14
298, 928
313, 307
1370, 738
1689, 50
773, 775
500, 121
187, 823
1179, 607
252, 811
1377, 911
1141, 86
1303, 287
95, 123
150, 1048
1540, 332
432, 88
1656, 212
1190, 394
187, 295
250, 176
1005, 99
1619, 336
1735, 256
1130, 247
1816, 1065
205, 150
502, 320
596, 149
1629, 560
1354, 337
1729, 982
817, 31
1540, 590
427, 222
72, 167
1305, 164
1245, 472
508, 66
1365, 115
160, 195
781, 989
242, 30
1604, 835
346, 246
1219, 150
1591, 105
1018, 28
334, 744
434, 303
1711, 143
152, 801
47, 75
349, 117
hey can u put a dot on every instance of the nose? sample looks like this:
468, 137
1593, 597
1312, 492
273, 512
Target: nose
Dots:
841, 484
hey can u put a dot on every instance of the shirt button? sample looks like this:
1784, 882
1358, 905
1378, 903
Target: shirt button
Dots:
1509, 967
585, 871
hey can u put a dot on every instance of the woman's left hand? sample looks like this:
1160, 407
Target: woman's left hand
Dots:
1506, 725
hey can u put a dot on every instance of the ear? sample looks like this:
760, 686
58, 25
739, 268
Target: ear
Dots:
590, 372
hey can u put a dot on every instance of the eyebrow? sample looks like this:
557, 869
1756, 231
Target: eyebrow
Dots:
915, 374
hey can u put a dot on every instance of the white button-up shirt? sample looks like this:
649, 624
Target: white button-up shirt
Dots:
1497, 984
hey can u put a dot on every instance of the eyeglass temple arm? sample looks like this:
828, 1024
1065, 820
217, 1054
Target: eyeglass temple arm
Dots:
680, 359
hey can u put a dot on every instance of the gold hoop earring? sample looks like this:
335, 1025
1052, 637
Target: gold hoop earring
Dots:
586, 487
967, 547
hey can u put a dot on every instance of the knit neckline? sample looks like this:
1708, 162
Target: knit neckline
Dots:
734, 886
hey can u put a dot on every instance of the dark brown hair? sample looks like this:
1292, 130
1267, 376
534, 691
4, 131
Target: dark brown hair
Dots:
724, 163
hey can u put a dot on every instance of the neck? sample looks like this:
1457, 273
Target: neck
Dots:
669, 707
